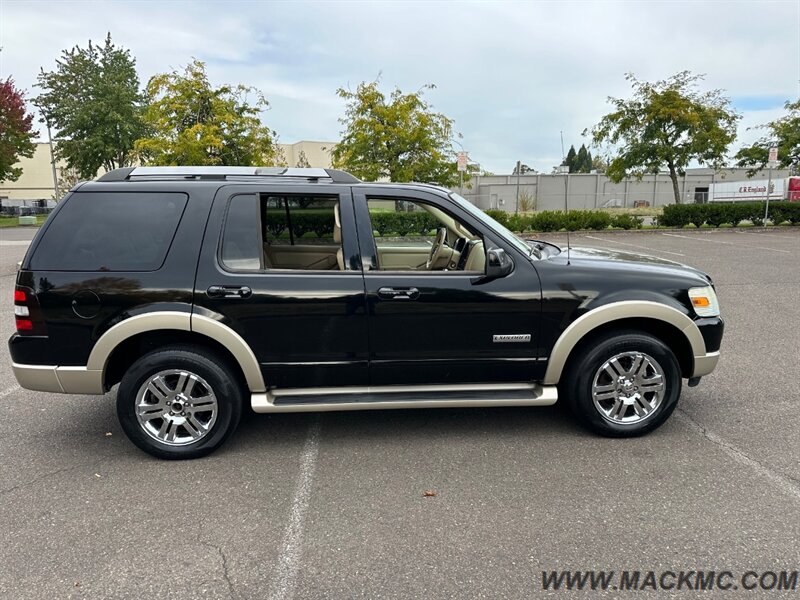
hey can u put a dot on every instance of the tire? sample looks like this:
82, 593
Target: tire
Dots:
614, 393
179, 402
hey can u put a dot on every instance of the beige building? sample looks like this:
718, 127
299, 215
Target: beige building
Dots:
36, 181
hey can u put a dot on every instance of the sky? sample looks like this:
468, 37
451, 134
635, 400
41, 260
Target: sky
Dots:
513, 75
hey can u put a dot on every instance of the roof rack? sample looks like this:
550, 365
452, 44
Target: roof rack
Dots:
226, 173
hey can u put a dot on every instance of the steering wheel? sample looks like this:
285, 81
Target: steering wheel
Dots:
437, 249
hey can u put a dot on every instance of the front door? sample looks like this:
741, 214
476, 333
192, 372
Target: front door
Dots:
280, 266
434, 318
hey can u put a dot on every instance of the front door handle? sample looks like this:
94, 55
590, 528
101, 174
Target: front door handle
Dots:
229, 291
390, 293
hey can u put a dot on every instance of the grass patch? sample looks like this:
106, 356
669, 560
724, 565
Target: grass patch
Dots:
14, 221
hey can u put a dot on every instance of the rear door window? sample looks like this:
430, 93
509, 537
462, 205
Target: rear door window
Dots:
121, 231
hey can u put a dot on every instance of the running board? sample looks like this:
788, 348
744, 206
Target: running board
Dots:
412, 396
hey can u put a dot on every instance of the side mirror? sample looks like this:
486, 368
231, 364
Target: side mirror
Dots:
498, 264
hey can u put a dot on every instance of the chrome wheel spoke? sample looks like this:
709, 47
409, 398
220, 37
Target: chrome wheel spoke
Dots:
638, 364
653, 384
195, 429
614, 369
202, 404
186, 383
148, 412
159, 389
618, 411
600, 397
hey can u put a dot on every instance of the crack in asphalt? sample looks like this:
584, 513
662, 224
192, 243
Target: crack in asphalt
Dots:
10, 390
225, 573
788, 484
38, 479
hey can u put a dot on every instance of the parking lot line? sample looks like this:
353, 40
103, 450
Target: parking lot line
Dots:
686, 237
633, 245
783, 237
292, 550
787, 484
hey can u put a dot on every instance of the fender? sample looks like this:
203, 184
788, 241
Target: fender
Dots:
615, 311
182, 321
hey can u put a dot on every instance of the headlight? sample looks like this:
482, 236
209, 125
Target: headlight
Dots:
704, 301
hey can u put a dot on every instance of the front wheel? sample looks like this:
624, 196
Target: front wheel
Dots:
179, 402
624, 384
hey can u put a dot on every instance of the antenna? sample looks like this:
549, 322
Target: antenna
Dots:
563, 156
568, 247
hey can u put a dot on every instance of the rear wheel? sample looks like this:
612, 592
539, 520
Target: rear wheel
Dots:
179, 402
625, 384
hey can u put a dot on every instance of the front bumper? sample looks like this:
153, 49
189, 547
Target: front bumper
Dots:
711, 329
705, 363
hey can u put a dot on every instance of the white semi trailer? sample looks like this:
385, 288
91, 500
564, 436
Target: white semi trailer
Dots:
755, 191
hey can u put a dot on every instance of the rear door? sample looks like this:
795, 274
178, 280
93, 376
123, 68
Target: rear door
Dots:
279, 268
441, 326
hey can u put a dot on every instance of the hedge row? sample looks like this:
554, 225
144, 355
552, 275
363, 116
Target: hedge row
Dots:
573, 220
320, 223
714, 215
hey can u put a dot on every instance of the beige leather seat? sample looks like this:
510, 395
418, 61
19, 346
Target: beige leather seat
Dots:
337, 236
476, 261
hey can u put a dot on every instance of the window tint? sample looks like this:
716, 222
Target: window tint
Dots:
125, 231
241, 246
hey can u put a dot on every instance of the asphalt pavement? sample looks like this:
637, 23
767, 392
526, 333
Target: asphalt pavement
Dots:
443, 503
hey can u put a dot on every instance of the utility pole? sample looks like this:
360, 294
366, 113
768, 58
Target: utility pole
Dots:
563, 154
519, 169
772, 159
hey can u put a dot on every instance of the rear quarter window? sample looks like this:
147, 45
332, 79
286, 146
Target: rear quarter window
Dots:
120, 231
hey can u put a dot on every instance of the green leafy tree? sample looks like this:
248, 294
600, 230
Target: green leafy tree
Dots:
666, 123
399, 137
16, 131
93, 100
190, 122
784, 133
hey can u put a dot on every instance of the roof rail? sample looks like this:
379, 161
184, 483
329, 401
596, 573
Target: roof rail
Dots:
224, 173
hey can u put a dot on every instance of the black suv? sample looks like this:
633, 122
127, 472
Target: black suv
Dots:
200, 290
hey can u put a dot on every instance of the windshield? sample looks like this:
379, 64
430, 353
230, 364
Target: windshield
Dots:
476, 212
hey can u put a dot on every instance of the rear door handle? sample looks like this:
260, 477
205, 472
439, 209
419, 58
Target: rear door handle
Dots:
228, 291
390, 293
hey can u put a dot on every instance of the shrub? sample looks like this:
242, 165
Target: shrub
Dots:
500, 216
527, 201
680, 215
547, 220
626, 221
597, 220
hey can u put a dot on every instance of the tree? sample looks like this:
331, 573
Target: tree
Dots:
16, 131
666, 123
569, 161
583, 161
302, 161
523, 169
399, 137
192, 123
784, 133
93, 101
